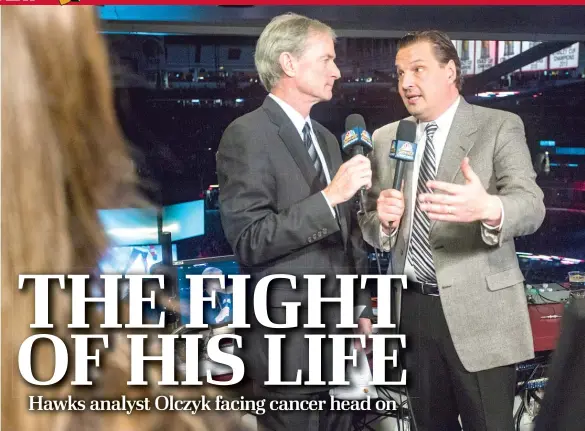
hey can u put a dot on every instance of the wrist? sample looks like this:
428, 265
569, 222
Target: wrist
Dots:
333, 201
492, 213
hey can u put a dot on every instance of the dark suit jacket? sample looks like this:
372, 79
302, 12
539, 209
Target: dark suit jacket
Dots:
278, 222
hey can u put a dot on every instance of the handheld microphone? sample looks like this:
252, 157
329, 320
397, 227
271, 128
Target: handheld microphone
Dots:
356, 140
403, 149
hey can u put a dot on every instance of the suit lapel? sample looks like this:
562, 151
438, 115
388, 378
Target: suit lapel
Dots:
291, 138
459, 142
293, 142
296, 147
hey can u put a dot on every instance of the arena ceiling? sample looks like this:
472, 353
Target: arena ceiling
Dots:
537, 23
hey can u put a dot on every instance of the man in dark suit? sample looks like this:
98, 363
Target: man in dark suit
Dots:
469, 192
285, 207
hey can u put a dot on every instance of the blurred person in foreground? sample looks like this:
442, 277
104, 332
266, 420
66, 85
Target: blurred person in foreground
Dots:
63, 158
286, 208
469, 192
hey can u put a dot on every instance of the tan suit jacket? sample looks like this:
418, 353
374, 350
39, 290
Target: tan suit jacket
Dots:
481, 285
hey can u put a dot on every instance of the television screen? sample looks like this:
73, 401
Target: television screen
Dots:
132, 259
184, 220
221, 314
130, 226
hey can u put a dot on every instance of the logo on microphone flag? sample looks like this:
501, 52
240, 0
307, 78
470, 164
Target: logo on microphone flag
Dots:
349, 137
366, 137
402, 150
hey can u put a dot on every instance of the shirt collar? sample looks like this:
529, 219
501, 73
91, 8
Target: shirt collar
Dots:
294, 115
445, 119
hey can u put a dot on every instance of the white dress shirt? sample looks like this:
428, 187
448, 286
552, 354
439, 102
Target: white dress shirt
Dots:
443, 123
299, 123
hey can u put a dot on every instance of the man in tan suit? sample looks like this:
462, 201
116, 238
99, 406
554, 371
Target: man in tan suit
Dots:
469, 192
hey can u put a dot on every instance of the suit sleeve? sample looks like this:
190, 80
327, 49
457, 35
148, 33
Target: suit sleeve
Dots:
257, 230
515, 179
358, 252
369, 222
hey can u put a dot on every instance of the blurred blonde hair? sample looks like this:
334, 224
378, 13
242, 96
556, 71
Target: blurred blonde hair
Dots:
63, 158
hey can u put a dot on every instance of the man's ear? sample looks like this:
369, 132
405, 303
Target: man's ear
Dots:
288, 64
452, 70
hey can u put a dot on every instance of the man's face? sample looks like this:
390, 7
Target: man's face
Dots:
316, 71
425, 85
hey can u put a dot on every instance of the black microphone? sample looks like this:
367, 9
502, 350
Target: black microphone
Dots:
356, 140
403, 149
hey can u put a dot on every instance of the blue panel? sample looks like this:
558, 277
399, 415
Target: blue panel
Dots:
130, 226
570, 151
184, 220
150, 13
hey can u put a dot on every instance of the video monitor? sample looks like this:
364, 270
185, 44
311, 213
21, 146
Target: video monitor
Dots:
184, 220
130, 226
132, 259
222, 313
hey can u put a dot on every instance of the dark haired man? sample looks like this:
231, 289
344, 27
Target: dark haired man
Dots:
469, 192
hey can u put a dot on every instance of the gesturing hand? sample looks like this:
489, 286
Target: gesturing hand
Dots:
461, 203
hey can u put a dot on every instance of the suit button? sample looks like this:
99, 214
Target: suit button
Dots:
319, 234
324, 231
310, 239
314, 236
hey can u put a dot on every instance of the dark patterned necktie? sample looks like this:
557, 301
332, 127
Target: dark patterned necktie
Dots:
420, 255
310, 145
